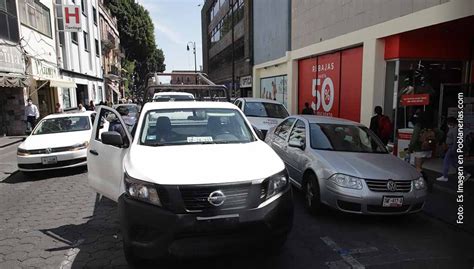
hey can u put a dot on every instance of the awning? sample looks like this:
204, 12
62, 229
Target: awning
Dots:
58, 82
13, 80
62, 83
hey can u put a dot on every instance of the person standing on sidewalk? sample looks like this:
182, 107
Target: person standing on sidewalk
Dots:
423, 141
307, 110
381, 125
31, 114
450, 157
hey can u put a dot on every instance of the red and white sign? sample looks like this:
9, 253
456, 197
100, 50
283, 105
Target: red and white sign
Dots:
415, 99
325, 88
72, 18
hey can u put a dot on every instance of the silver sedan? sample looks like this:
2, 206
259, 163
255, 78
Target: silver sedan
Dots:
344, 165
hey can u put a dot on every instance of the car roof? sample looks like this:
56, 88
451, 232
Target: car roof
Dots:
262, 100
69, 114
174, 93
324, 119
187, 104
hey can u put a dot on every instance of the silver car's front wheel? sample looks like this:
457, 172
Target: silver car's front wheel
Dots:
312, 194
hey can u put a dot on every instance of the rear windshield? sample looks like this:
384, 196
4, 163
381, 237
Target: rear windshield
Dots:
265, 110
194, 126
62, 125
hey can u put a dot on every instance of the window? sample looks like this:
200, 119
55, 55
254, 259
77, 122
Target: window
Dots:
8, 18
265, 110
66, 98
35, 15
84, 7
63, 125
97, 48
94, 15
74, 37
283, 129
86, 41
298, 134
238, 103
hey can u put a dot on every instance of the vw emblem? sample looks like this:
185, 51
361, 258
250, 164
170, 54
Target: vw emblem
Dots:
391, 185
216, 198
48, 151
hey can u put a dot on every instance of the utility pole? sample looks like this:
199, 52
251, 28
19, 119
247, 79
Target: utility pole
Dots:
194, 51
231, 2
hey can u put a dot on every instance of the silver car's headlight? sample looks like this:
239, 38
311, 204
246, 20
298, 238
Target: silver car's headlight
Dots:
141, 190
277, 183
346, 181
419, 183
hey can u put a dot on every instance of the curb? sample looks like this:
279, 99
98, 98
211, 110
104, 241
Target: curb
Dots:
12, 143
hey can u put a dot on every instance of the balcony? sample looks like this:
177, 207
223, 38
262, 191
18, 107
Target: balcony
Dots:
108, 41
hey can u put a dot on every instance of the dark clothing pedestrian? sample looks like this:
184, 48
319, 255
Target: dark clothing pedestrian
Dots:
307, 110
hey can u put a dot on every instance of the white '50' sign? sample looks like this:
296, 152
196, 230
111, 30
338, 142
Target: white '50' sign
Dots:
324, 96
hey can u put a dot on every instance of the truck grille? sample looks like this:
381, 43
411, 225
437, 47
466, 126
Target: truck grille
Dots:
195, 198
52, 150
381, 185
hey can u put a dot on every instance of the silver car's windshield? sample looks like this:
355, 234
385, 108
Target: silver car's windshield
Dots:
265, 110
343, 137
194, 126
62, 125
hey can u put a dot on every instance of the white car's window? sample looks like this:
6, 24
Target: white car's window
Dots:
62, 125
283, 129
265, 110
194, 126
343, 137
298, 133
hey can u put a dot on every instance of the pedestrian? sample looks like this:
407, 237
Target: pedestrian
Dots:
424, 140
58, 109
91, 106
307, 110
81, 108
450, 157
381, 125
31, 114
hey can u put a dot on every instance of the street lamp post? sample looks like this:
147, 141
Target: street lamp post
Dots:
194, 51
231, 3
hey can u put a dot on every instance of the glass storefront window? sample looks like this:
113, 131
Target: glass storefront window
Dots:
66, 98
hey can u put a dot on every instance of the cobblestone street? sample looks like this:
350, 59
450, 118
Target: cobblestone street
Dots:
54, 220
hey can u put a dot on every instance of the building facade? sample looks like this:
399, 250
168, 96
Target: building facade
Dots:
80, 57
346, 57
111, 54
227, 51
13, 79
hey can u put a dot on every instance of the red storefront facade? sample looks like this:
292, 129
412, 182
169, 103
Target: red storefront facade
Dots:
331, 83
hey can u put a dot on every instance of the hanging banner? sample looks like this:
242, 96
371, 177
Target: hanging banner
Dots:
327, 85
72, 18
415, 99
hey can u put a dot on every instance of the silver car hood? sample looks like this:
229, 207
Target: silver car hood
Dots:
367, 165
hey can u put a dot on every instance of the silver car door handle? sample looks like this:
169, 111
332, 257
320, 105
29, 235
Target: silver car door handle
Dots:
94, 152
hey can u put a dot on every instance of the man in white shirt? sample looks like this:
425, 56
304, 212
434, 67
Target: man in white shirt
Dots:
31, 113
81, 108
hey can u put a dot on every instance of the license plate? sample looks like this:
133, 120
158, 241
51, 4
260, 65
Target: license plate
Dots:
392, 201
49, 160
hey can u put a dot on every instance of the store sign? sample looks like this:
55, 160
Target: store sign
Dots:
72, 18
246, 82
43, 69
415, 99
11, 60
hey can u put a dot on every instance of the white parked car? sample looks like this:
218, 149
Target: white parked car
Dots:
173, 96
264, 114
177, 185
57, 141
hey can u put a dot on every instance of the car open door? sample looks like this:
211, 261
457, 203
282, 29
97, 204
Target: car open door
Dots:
104, 162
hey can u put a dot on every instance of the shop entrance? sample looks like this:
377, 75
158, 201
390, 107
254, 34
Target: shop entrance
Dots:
46, 101
82, 94
448, 102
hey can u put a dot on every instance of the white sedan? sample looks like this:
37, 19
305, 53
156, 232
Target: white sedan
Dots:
263, 114
58, 141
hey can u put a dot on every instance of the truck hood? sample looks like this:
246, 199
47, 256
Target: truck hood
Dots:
368, 165
202, 164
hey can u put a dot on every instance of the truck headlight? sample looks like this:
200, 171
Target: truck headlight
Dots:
141, 190
419, 183
79, 146
277, 183
22, 152
346, 181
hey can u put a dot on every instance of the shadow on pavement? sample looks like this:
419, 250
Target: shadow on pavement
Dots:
97, 243
20, 177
